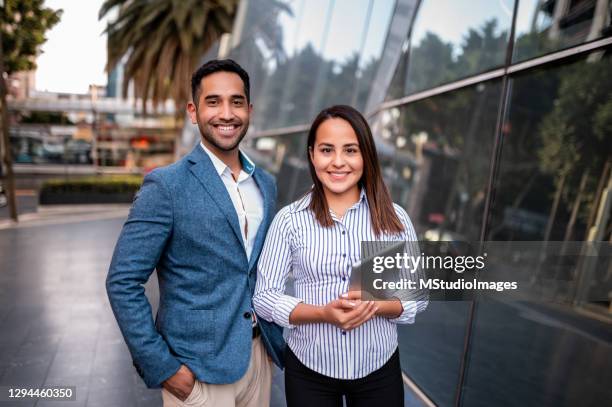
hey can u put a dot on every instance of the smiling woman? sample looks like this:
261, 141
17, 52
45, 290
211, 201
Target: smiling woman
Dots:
338, 345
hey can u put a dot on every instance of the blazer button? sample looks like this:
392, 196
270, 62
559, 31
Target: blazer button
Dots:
247, 315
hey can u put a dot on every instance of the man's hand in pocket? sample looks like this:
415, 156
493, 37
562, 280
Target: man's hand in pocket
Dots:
181, 384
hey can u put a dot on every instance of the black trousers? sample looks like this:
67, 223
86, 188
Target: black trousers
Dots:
306, 388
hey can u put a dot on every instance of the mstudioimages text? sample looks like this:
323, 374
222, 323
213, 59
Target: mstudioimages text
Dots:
409, 262
439, 284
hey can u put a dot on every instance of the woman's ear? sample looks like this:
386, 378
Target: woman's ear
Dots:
310, 153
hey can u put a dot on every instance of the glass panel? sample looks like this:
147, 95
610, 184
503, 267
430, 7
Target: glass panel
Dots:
545, 26
443, 149
299, 74
432, 347
536, 355
375, 37
284, 155
267, 41
556, 145
305, 55
335, 83
450, 41
554, 165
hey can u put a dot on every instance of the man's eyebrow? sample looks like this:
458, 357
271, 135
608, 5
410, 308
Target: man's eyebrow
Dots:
237, 96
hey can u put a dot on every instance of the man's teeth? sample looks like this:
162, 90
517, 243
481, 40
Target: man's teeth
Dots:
227, 128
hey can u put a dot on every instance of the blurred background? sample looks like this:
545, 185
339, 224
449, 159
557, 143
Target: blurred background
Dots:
493, 122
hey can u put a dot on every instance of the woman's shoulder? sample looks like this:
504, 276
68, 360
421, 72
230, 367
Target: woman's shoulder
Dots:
404, 218
400, 211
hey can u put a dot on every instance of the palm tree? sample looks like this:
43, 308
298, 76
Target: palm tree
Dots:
163, 41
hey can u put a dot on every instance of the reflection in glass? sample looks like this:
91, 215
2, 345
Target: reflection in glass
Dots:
298, 75
336, 79
369, 57
444, 147
556, 154
545, 26
263, 47
451, 40
304, 55
553, 173
526, 354
284, 157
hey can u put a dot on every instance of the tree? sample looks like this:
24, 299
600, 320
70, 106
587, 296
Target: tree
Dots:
163, 41
23, 27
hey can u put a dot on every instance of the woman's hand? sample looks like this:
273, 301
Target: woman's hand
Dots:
391, 308
348, 313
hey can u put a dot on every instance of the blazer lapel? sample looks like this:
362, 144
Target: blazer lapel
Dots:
268, 205
205, 172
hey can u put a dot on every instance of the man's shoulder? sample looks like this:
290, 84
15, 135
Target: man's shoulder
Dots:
170, 171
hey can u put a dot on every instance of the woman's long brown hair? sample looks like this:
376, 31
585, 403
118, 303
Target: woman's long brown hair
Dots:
382, 213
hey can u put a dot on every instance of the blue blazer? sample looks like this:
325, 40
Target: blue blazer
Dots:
183, 224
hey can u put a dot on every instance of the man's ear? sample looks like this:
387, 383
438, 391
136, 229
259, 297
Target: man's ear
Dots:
193, 112
250, 108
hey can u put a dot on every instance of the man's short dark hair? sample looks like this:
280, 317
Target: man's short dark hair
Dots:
218, 65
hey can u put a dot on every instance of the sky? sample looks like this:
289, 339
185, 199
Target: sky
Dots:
75, 52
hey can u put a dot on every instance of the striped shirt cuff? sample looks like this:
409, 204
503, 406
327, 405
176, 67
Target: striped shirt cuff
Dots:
283, 309
408, 313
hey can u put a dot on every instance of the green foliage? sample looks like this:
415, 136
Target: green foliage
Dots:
106, 185
24, 23
46, 118
164, 41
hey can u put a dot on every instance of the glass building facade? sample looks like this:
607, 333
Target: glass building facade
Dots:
493, 122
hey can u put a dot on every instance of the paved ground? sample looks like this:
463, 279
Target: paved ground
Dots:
56, 326
27, 202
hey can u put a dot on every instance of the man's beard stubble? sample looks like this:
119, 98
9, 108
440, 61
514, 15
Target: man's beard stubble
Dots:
208, 136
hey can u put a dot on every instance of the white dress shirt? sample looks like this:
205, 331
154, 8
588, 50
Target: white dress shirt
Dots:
245, 195
321, 261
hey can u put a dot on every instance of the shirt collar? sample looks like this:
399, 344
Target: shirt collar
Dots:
247, 164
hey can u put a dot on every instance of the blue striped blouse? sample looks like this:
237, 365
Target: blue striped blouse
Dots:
321, 261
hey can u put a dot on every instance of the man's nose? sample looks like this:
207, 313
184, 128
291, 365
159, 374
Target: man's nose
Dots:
226, 112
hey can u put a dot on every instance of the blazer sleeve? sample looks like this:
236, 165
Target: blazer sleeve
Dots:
136, 255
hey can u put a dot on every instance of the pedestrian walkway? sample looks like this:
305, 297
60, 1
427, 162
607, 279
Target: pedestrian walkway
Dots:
63, 214
56, 325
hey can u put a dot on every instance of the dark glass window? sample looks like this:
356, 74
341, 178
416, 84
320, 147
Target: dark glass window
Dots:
550, 186
443, 153
284, 157
443, 148
556, 153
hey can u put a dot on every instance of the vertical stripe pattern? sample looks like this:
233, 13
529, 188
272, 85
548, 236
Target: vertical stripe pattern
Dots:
320, 260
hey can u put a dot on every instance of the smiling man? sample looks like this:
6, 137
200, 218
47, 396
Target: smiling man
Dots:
201, 223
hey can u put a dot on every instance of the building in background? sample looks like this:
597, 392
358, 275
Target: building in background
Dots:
493, 122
